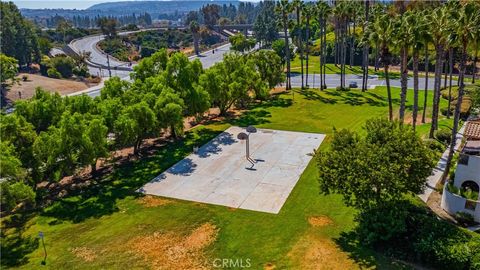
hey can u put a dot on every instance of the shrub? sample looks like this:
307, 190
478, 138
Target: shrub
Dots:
63, 64
343, 89
53, 73
435, 145
80, 71
444, 136
16, 193
465, 219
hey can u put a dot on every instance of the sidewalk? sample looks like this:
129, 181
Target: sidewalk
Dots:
437, 172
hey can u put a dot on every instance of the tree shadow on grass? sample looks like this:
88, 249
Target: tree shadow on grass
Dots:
14, 245
101, 198
254, 117
312, 95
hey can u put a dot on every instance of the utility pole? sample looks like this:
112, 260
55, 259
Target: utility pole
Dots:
108, 64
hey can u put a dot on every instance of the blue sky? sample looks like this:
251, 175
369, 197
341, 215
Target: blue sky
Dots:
65, 3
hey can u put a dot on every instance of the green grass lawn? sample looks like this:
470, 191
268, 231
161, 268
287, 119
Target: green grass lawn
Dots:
103, 220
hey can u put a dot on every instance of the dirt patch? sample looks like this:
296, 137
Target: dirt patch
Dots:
173, 251
269, 266
320, 221
313, 252
434, 201
409, 119
26, 89
84, 253
153, 201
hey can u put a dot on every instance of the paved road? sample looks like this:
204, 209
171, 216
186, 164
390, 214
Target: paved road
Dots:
208, 59
333, 80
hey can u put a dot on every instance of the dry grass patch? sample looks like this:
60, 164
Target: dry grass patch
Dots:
173, 251
84, 253
313, 252
269, 266
153, 201
320, 221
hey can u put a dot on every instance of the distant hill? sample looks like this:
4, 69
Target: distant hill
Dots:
155, 7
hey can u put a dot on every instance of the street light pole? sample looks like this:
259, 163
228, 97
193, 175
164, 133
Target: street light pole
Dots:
108, 64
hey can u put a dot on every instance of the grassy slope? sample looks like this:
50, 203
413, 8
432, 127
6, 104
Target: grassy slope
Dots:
105, 218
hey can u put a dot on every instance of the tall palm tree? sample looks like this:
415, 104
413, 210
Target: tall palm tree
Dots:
476, 47
341, 11
417, 28
383, 31
309, 12
298, 5
403, 40
323, 10
465, 26
366, 48
284, 8
426, 40
439, 27
195, 29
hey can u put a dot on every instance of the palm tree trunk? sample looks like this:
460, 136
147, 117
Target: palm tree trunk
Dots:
365, 52
324, 62
456, 117
475, 59
287, 49
415, 89
426, 85
307, 47
450, 61
300, 43
389, 93
436, 90
352, 44
376, 56
344, 54
321, 53
404, 81
446, 74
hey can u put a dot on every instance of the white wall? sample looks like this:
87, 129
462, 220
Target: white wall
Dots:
468, 172
453, 203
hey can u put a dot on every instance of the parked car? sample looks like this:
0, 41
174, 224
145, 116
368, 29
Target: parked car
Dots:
353, 85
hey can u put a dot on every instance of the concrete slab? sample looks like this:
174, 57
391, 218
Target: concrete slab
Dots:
219, 173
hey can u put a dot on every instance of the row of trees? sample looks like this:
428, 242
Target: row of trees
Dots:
49, 136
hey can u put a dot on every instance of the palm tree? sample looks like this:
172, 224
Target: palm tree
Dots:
417, 27
366, 48
439, 27
195, 29
466, 25
322, 14
403, 40
298, 5
341, 13
383, 30
426, 40
284, 8
309, 12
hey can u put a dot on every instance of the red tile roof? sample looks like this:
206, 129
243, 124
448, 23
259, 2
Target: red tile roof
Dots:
472, 130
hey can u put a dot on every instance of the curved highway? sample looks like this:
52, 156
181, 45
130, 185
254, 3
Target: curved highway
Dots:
98, 63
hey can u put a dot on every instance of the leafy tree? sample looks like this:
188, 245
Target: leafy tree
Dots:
44, 45
80, 103
210, 14
14, 193
269, 65
278, 46
390, 161
97, 134
113, 88
108, 26
150, 66
229, 81
10, 165
135, 123
18, 36
241, 43
61, 150
169, 111
63, 64
42, 111
109, 109
15, 130
195, 29
8, 71
265, 26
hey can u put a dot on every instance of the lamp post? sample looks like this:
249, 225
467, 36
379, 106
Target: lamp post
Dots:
41, 235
